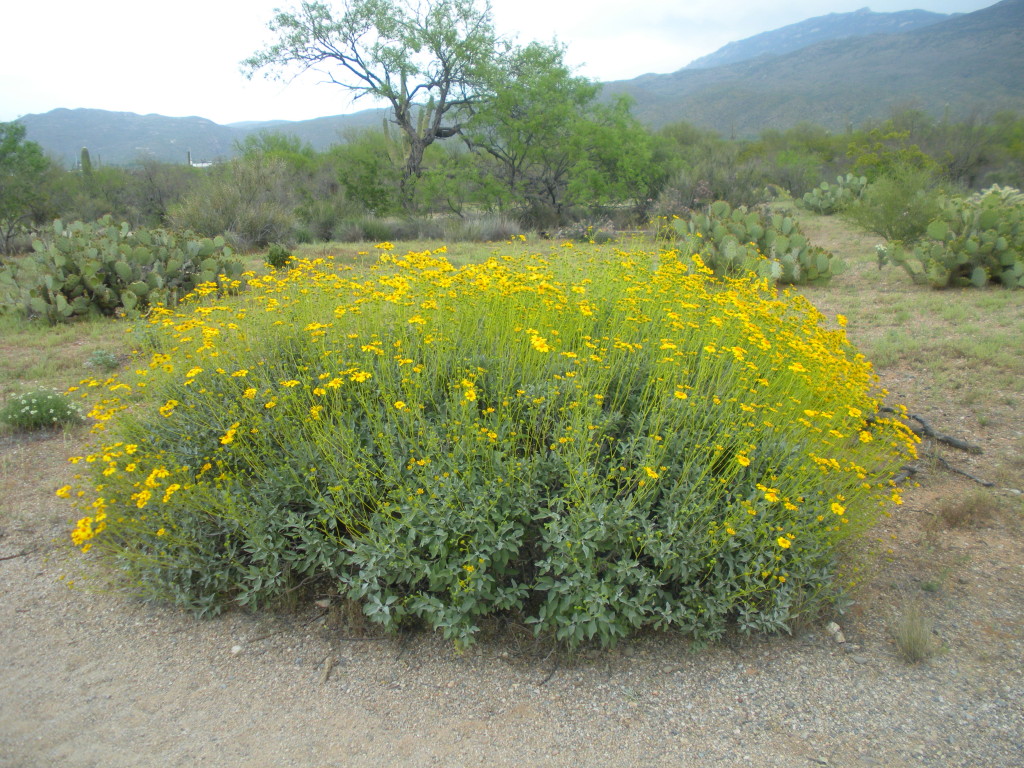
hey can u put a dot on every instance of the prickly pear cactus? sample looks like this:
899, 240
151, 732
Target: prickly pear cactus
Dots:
737, 241
106, 268
978, 240
827, 199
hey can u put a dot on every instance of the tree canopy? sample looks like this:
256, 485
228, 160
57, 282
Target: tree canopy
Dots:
425, 59
22, 166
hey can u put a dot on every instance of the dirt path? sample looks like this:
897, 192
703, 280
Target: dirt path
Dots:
92, 679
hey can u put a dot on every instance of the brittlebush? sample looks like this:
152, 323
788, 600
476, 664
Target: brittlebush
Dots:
594, 441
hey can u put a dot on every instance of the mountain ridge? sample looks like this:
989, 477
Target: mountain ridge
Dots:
832, 26
957, 65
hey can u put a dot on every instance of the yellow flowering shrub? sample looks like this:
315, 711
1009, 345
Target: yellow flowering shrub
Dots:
595, 440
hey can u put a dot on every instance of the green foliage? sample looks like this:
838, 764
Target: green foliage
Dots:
703, 167
886, 152
975, 241
251, 201
22, 168
367, 165
278, 256
105, 268
425, 60
828, 198
595, 442
898, 206
104, 360
736, 241
42, 409
551, 146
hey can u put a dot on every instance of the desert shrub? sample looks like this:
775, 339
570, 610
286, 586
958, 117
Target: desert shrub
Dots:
481, 228
973, 241
105, 268
828, 198
278, 256
251, 201
595, 442
39, 410
103, 360
898, 206
736, 241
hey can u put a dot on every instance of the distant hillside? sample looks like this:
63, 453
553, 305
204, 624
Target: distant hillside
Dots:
970, 62
955, 66
834, 26
120, 138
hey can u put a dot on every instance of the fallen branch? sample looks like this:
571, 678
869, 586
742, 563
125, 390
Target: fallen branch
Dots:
20, 554
924, 429
958, 471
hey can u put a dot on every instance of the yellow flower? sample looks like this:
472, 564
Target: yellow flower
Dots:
250, 393
841, 320
193, 373
162, 532
64, 492
743, 460
783, 542
838, 508
539, 343
651, 473
228, 436
399, 405
168, 408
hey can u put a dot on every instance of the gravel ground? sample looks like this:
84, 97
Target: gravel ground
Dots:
94, 679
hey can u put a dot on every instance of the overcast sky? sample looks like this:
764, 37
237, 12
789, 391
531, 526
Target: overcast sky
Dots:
182, 58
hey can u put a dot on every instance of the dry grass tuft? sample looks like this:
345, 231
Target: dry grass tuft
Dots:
970, 511
913, 635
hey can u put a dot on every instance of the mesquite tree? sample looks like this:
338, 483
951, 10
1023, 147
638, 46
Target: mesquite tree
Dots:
426, 59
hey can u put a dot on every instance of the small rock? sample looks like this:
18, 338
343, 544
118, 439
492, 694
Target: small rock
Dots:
859, 658
235, 650
325, 603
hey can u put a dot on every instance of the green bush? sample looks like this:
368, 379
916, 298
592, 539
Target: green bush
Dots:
593, 443
251, 201
899, 205
42, 409
736, 241
975, 241
104, 360
278, 256
105, 268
